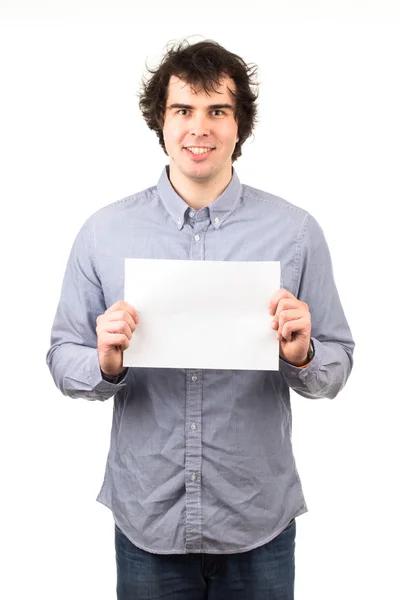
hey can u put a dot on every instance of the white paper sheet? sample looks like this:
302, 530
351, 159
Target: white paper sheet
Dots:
202, 314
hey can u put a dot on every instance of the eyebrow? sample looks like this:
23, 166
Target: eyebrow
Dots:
210, 106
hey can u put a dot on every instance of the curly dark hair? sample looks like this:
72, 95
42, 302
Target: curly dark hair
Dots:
201, 65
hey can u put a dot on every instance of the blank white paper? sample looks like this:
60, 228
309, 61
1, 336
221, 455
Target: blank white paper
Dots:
202, 314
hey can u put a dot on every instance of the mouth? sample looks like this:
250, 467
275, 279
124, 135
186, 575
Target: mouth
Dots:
198, 153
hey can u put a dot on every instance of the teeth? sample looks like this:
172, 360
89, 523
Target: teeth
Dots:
196, 150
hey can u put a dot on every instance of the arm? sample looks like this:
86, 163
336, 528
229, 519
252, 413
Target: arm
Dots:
73, 357
333, 344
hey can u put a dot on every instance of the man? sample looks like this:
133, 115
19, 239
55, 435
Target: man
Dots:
200, 476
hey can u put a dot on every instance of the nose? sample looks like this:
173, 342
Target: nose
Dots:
199, 125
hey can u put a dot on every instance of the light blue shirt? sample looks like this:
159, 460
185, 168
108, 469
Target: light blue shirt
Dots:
200, 460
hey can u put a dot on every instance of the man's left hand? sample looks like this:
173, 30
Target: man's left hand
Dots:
292, 322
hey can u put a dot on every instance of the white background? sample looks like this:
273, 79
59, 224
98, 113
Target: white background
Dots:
72, 140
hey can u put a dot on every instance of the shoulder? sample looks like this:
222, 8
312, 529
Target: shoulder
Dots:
275, 209
272, 202
111, 217
125, 205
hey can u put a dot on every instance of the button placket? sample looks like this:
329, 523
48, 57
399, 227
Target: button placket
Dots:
193, 408
200, 226
193, 460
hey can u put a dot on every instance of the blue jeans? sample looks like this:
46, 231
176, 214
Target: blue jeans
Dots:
265, 573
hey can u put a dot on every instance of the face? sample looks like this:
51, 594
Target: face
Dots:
200, 131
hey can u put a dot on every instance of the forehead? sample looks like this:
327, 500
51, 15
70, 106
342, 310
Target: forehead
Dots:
181, 91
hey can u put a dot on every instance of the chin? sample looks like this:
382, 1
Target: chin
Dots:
198, 171
201, 175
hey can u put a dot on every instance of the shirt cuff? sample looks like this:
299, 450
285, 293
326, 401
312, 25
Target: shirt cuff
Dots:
98, 382
115, 380
306, 372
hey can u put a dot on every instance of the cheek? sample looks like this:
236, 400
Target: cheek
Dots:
172, 135
230, 134
230, 138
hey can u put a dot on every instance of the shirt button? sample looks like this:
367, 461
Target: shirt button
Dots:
197, 237
216, 220
194, 476
193, 427
194, 377
191, 214
178, 221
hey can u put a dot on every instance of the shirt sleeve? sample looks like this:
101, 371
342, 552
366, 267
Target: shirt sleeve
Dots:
72, 357
333, 343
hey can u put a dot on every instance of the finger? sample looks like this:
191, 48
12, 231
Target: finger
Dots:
289, 315
116, 327
112, 340
286, 312
120, 315
284, 317
124, 306
286, 304
282, 293
301, 326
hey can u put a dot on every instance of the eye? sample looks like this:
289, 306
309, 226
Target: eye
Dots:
218, 112
183, 111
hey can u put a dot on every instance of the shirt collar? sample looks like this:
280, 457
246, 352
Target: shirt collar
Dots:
219, 209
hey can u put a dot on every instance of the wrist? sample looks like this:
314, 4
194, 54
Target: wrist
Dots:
304, 362
308, 358
114, 378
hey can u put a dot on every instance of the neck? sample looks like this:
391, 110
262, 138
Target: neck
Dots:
201, 193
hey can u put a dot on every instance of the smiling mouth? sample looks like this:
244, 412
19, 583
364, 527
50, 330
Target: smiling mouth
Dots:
199, 149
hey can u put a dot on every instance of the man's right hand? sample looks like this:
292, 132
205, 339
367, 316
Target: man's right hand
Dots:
114, 331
